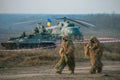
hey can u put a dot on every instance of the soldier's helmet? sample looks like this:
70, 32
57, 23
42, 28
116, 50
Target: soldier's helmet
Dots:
93, 39
65, 38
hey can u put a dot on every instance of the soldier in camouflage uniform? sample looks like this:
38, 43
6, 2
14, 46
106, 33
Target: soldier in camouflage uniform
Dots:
95, 50
66, 56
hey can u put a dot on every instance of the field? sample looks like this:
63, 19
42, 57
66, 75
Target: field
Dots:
38, 64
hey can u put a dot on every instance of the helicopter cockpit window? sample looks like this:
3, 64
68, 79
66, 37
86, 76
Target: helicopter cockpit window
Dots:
71, 24
68, 22
62, 24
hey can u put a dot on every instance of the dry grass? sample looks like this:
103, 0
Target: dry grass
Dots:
48, 56
25, 58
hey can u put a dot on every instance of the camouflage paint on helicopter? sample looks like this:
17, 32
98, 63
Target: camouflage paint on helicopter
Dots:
65, 28
68, 28
71, 31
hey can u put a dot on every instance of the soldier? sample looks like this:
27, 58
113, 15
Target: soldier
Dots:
66, 56
95, 52
23, 35
43, 30
36, 30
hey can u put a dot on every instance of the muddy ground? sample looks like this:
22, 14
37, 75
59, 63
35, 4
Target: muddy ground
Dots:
111, 71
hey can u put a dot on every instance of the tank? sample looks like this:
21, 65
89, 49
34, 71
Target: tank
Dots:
40, 38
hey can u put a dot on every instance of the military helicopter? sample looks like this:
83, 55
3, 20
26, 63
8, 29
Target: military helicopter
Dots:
68, 28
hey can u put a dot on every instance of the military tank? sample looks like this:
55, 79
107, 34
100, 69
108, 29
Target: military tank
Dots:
40, 38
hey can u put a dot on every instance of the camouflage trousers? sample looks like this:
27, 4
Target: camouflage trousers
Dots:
96, 67
65, 60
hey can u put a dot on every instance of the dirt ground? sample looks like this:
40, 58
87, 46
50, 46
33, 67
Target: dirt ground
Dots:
111, 71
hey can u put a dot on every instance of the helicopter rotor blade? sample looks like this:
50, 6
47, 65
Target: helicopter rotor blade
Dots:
83, 23
24, 22
86, 24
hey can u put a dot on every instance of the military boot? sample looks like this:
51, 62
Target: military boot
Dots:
99, 70
72, 72
59, 72
92, 71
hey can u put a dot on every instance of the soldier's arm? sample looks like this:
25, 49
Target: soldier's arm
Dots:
61, 50
86, 50
70, 49
94, 46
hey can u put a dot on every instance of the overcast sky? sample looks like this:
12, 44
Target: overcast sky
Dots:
60, 6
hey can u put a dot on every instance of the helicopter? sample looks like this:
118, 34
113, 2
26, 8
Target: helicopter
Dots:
68, 27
